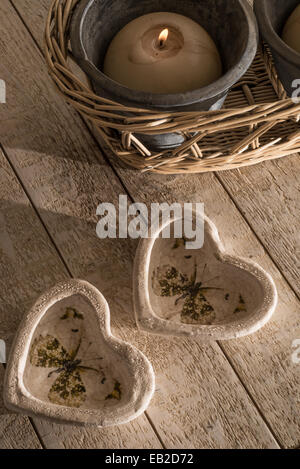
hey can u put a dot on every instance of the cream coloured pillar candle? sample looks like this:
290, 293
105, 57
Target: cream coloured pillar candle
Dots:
291, 31
163, 53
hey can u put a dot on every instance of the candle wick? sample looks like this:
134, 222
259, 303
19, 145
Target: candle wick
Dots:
163, 38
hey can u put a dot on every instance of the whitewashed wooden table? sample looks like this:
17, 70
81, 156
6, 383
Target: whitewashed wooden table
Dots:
53, 174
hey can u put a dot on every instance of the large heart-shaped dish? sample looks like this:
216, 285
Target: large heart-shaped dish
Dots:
202, 293
65, 364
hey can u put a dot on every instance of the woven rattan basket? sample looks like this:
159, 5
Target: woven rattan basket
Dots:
257, 123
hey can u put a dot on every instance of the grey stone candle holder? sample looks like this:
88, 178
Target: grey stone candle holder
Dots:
272, 16
231, 24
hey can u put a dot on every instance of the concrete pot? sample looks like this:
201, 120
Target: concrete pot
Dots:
272, 16
231, 23
203, 294
66, 366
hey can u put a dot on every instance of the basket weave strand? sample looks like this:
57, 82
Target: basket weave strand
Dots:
257, 123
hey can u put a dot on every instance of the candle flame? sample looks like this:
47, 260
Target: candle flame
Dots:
163, 36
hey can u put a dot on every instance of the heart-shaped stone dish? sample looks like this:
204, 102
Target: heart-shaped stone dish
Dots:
203, 293
65, 364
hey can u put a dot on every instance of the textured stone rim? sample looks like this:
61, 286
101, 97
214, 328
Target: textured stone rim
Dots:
18, 398
148, 321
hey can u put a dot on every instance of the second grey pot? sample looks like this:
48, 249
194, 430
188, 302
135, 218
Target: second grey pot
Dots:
272, 16
231, 23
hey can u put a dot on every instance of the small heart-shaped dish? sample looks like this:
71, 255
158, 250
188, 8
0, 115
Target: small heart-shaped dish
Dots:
65, 365
203, 293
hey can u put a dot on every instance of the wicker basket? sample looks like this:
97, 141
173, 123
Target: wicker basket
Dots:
257, 123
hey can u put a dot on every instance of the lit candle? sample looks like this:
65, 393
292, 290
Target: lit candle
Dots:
291, 31
163, 53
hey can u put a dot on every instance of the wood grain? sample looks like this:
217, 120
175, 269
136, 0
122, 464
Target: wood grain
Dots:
28, 265
16, 431
263, 361
269, 195
66, 177
282, 349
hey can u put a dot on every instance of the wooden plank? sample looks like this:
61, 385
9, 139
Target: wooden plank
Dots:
25, 266
66, 178
269, 195
29, 262
28, 265
16, 431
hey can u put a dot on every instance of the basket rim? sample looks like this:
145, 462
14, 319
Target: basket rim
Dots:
204, 148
